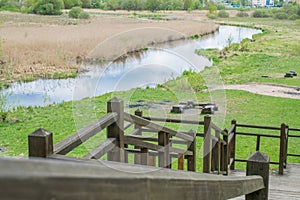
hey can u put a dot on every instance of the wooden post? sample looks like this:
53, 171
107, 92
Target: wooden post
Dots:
207, 146
192, 160
257, 142
225, 152
144, 156
232, 152
164, 158
286, 145
258, 164
215, 156
152, 161
116, 130
282, 147
181, 162
137, 157
40, 143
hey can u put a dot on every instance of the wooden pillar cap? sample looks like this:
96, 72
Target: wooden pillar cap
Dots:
259, 157
40, 133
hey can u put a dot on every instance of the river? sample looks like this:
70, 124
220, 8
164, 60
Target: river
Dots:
152, 67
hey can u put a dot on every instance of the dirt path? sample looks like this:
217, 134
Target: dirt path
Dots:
40, 46
275, 90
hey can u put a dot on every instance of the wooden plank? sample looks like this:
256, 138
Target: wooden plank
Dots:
258, 127
40, 179
106, 146
257, 134
68, 144
215, 127
143, 122
137, 142
171, 120
154, 139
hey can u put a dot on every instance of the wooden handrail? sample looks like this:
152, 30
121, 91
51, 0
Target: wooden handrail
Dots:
137, 142
102, 149
143, 122
257, 134
66, 180
258, 126
172, 120
71, 142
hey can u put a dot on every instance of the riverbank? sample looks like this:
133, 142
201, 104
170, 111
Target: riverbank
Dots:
36, 46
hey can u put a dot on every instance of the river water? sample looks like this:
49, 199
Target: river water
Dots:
149, 68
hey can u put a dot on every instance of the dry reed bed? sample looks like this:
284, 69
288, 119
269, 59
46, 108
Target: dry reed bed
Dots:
40, 46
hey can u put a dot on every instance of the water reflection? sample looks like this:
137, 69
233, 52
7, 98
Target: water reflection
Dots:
152, 67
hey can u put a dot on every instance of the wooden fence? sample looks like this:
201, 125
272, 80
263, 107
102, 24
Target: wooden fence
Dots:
219, 146
125, 135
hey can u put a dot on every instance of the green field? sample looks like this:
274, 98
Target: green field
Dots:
272, 53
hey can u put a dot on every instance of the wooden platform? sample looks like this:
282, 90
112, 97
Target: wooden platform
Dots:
285, 186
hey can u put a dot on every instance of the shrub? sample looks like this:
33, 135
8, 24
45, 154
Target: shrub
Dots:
48, 7
281, 15
260, 14
242, 14
223, 14
211, 16
84, 15
221, 7
293, 17
75, 12
72, 3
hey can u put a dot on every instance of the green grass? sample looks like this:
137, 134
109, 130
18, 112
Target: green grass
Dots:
271, 54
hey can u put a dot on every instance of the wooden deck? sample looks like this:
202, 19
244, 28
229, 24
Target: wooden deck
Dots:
285, 186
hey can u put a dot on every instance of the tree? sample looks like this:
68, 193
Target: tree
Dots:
48, 7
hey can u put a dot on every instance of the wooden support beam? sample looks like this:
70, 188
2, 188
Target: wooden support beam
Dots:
164, 158
207, 144
192, 160
116, 130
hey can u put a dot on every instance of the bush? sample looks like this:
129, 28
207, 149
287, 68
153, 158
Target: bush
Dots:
223, 14
75, 12
281, 15
48, 7
242, 14
72, 3
211, 16
260, 14
293, 17
84, 15
221, 7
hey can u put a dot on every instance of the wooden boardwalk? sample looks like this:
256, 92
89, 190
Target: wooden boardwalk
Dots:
285, 186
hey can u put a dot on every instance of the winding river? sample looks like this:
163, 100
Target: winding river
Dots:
152, 67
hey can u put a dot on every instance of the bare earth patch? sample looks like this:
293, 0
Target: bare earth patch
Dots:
40, 46
268, 89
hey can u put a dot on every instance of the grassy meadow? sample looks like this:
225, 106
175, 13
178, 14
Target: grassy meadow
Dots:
271, 54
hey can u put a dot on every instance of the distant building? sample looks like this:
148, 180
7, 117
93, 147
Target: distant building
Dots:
263, 3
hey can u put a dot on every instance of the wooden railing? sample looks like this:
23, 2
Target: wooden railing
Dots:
125, 136
281, 133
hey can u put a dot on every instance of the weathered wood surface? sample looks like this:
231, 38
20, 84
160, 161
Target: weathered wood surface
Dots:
286, 186
68, 144
143, 122
102, 149
48, 179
